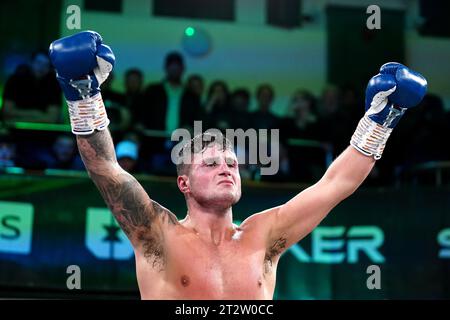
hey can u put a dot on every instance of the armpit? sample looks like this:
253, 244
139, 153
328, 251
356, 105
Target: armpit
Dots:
151, 239
277, 247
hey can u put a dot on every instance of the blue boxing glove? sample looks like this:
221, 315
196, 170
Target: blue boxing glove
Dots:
388, 95
82, 63
403, 89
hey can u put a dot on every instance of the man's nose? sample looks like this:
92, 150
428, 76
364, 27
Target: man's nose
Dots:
224, 170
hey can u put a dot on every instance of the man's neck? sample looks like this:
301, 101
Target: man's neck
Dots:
209, 223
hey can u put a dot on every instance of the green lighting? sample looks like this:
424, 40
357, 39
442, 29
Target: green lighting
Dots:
42, 126
66, 173
189, 31
14, 170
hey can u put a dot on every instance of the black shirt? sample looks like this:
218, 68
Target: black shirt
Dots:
29, 92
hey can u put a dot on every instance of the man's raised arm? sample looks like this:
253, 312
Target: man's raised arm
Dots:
82, 63
388, 95
125, 197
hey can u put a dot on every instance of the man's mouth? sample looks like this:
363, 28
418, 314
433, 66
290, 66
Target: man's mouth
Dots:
226, 182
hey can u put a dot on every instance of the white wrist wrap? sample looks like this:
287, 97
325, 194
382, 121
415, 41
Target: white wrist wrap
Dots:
370, 137
88, 115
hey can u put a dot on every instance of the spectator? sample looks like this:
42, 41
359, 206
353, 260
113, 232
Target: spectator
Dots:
263, 118
63, 155
7, 152
134, 80
352, 100
352, 104
127, 155
302, 115
284, 168
334, 124
170, 105
330, 101
112, 97
115, 103
192, 99
300, 124
196, 85
32, 93
217, 106
239, 118
240, 103
426, 126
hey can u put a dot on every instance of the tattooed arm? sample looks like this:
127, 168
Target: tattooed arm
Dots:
139, 217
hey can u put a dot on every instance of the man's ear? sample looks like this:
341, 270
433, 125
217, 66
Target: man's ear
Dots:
183, 183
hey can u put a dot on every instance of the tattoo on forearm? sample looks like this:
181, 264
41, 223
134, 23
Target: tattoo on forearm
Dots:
139, 217
125, 198
129, 202
96, 146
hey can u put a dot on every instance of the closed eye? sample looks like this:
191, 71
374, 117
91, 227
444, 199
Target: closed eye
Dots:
210, 162
231, 163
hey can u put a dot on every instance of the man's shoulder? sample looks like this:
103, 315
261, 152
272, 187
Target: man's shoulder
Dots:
260, 218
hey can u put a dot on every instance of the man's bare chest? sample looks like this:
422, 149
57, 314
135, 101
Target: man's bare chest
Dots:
235, 269
225, 267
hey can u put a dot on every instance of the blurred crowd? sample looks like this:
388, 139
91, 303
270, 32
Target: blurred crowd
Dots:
314, 130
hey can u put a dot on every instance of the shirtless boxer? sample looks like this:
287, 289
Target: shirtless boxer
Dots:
206, 256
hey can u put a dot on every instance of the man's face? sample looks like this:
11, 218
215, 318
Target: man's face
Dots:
301, 107
265, 97
196, 86
64, 149
240, 103
133, 83
213, 179
174, 71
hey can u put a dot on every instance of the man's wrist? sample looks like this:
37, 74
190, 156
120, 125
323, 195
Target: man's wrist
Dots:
88, 115
370, 137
